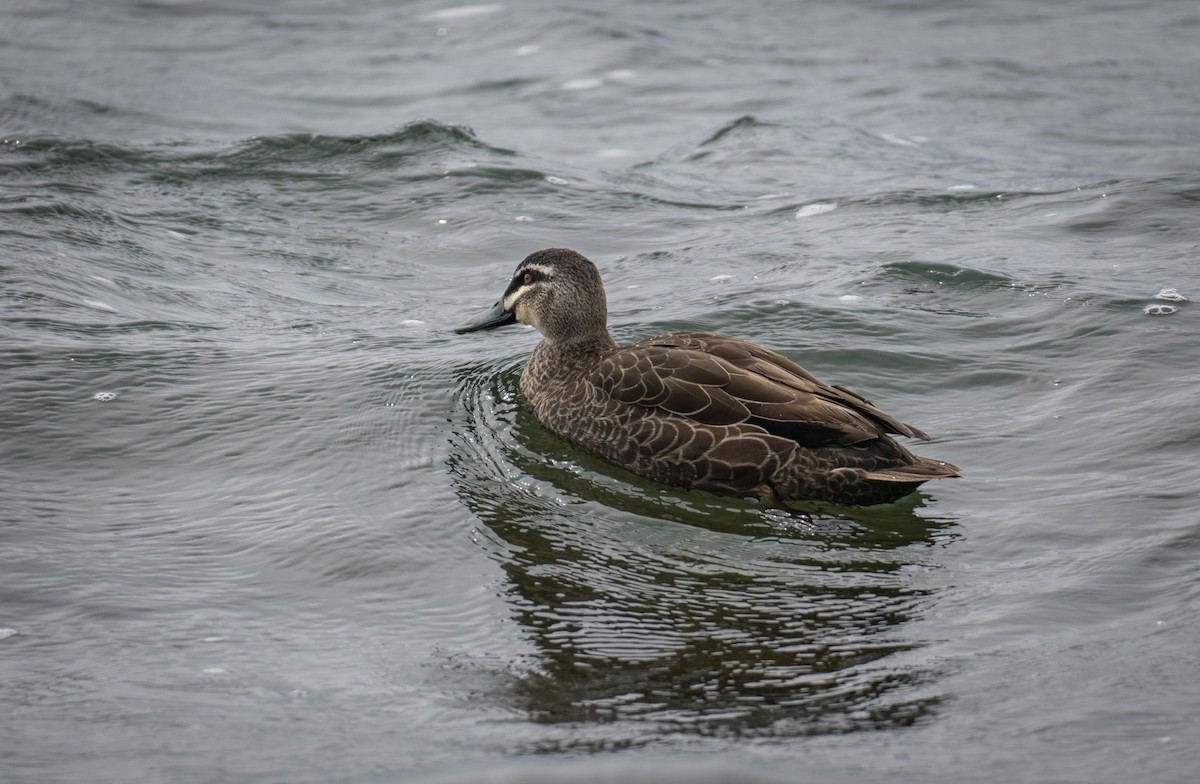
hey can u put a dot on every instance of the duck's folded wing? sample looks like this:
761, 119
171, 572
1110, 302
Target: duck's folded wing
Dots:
719, 381
767, 363
688, 383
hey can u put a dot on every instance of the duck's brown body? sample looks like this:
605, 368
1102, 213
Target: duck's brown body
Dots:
697, 410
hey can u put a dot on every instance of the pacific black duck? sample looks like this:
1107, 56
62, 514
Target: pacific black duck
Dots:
697, 410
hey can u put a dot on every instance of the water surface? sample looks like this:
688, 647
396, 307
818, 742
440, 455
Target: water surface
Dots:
263, 517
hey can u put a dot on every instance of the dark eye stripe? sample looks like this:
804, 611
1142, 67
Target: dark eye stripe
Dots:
525, 277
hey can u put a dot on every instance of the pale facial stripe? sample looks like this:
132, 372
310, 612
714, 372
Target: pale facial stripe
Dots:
510, 301
536, 268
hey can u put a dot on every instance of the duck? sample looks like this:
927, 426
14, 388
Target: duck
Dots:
697, 410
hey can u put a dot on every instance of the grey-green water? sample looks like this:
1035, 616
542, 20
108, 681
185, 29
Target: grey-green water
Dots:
264, 518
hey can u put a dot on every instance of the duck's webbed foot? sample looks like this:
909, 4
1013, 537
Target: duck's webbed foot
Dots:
770, 498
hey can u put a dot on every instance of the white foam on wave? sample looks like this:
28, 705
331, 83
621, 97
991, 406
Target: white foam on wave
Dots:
463, 11
585, 83
819, 208
1170, 295
1159, 310
7, 632
98, 305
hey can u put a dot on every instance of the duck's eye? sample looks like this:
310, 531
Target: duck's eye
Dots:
528, 278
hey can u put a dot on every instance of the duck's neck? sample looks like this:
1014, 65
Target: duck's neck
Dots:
583, 351
556, 362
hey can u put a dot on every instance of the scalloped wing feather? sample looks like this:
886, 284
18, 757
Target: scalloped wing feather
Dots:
819, 414
722, 381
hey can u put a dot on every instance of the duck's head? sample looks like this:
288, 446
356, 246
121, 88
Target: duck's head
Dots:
556, 291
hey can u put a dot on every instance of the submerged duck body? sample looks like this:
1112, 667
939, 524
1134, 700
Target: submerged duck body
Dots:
697, 410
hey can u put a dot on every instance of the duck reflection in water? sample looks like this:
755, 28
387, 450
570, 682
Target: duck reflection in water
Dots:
656, 612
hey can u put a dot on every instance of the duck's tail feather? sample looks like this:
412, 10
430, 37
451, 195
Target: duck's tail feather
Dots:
921, 470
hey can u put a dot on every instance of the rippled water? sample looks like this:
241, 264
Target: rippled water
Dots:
264, 518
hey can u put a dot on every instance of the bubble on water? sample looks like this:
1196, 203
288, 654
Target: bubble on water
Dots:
850, 298
556, 180
104, 397
411, 323
523, 219
720, 278
1159, 310
1170, 295
820, 208
215, 670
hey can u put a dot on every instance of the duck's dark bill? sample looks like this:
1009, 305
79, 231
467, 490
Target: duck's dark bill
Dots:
496, 317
